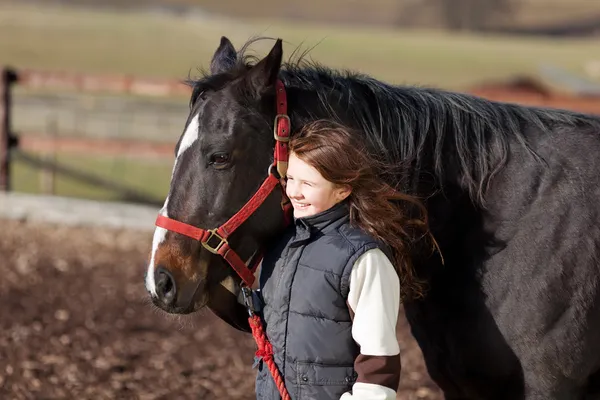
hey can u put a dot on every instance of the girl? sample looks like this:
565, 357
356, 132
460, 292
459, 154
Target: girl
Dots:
331, 286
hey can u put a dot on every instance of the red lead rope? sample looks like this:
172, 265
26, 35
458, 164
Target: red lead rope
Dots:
265, 351
264, 347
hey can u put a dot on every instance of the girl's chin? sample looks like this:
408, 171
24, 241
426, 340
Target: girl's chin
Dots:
303, 212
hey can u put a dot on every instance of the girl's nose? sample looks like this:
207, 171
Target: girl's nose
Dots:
291, 190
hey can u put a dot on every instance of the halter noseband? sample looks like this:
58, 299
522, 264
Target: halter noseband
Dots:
215, 240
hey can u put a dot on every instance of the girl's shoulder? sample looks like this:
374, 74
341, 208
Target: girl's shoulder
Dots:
360, 238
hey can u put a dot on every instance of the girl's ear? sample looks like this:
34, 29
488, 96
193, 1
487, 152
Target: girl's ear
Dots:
342, 192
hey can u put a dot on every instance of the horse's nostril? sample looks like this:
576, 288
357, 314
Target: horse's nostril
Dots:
165, 286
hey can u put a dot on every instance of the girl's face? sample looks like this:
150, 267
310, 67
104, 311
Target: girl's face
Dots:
308, 191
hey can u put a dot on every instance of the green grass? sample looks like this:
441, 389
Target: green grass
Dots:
161, 46
149, 177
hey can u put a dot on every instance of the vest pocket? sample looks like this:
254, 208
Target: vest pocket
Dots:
322, 381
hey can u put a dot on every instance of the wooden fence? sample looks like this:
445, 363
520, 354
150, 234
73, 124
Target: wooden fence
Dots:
79, 83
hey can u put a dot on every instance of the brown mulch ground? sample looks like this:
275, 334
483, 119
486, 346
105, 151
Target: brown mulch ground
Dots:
75, 323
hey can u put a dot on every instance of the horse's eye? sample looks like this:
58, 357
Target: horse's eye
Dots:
219, 159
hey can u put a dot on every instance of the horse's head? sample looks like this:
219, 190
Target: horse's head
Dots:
223, 157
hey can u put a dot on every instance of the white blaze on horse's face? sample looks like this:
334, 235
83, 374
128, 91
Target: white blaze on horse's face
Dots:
189, 138
159, 237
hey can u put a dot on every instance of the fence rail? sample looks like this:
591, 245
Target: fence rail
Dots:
39, 143
122, 84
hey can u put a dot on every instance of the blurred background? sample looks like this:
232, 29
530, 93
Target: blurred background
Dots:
91, 105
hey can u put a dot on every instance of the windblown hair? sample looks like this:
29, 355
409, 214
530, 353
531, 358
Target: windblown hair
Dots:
394, 218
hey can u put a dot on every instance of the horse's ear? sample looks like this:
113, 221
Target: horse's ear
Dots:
263, 75
224, 58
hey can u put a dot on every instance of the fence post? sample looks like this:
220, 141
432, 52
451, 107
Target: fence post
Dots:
9, 76
48, 174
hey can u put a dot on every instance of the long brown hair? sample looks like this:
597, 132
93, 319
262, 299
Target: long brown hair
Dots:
394, 218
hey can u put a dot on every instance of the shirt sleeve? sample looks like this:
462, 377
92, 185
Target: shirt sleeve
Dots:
374, 303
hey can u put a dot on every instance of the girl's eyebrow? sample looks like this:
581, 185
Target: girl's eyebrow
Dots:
301, 180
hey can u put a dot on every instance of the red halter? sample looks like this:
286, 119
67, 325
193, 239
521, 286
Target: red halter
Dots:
215, 240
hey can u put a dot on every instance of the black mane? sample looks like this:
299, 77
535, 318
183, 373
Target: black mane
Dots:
413, 124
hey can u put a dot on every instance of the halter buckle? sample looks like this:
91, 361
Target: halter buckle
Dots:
276, 135
215, 249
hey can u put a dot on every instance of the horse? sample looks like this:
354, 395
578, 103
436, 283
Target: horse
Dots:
512, 309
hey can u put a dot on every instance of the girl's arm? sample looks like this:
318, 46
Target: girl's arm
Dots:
374, 302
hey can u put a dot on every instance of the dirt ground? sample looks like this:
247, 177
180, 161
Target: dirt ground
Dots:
75, 323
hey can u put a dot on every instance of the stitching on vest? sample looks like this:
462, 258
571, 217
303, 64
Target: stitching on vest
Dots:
319, 270
342, 234
319, 317
287, 318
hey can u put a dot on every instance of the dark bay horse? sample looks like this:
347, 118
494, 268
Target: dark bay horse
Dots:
512, 192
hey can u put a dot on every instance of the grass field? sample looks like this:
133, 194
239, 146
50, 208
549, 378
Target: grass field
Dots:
146, 176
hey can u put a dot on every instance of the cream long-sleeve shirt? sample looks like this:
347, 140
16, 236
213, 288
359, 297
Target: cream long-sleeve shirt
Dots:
374, 302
